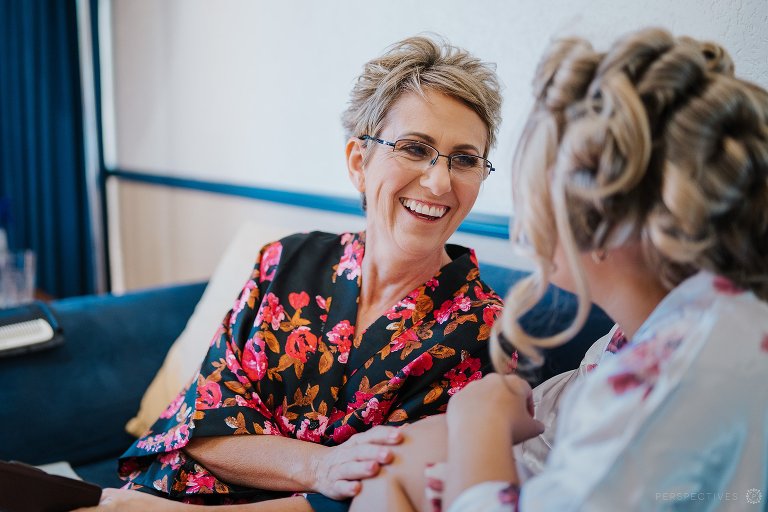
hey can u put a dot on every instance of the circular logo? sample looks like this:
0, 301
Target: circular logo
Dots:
754, 496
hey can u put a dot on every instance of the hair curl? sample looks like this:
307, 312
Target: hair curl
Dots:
655, 142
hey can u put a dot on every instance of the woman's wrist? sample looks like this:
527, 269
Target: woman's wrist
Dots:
313, 468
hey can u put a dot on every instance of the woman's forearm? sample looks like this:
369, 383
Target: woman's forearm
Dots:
260, 461
488, 458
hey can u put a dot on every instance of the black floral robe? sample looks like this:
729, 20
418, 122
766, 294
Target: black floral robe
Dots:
287, 361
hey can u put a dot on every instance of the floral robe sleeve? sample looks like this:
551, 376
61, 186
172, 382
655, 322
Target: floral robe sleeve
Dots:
287, 361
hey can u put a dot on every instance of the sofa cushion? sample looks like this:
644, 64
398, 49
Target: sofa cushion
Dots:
71, 402
187, 352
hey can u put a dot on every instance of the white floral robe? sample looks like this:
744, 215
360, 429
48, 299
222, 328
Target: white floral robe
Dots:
676, 420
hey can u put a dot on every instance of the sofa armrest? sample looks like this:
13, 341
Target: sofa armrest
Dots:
72, 402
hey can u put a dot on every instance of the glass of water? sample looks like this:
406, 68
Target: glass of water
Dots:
17, 277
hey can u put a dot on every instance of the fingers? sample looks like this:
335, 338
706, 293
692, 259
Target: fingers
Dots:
358, 470
346, 489
526, 428
379, 435
371, 452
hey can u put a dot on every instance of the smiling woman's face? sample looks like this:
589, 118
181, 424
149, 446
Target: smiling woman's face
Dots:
415, 213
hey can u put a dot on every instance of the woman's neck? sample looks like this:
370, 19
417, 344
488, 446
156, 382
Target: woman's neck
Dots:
387, 278
627, 289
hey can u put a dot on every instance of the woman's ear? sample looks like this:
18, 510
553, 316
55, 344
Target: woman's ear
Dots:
355, 156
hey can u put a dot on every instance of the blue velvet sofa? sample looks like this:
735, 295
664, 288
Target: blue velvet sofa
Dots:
71, 403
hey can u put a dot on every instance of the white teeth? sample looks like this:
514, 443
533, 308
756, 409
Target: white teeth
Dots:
423, 209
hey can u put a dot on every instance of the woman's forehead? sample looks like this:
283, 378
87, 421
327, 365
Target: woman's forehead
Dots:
437, 118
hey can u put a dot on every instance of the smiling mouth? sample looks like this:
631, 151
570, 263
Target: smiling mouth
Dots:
422, 210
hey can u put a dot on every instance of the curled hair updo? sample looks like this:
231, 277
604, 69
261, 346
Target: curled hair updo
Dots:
655, 143
413, 65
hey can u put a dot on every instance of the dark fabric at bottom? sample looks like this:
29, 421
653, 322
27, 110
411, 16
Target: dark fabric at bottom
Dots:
320, 503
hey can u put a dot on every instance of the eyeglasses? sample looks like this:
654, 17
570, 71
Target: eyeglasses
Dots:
420, 156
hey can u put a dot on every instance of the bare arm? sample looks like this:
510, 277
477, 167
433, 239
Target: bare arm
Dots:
285, 464
484, 420
401, 485
475, 439
262, 462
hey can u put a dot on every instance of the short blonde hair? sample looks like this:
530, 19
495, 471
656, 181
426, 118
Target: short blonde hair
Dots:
654, 142
413, 65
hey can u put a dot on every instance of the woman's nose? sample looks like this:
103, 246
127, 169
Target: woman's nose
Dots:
437, 178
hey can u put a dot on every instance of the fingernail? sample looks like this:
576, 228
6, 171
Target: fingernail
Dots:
383, 455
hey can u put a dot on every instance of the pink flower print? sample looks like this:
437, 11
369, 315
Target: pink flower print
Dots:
283, 423
629, 380
177, 437
298, 300
351, 260
432, 284
463, 373
473, 257
726, 286
343, 433
341, 336
361, 397
444, 312
208, 395
270, 429
449, 307
270, 312
403, 340
490, 313
321, 302
253, 401
201, 482
300, 342
590, 367
174, 406
269, 261
618, 340
375, 411
250, 289
419, 365
313, 435
405, 307
254, 360
172, 459
624, 381
481, 295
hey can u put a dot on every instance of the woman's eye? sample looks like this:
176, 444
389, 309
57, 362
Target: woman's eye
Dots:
465, 161
413, 150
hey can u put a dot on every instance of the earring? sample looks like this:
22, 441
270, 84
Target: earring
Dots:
599, 255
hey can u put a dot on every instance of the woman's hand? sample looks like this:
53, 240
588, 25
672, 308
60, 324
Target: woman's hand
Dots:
339, 471
495, 402
120, 500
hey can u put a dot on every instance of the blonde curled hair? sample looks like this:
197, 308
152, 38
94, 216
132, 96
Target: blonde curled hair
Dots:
654, 142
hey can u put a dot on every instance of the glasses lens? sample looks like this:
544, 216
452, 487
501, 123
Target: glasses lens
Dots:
414, 151
470, 167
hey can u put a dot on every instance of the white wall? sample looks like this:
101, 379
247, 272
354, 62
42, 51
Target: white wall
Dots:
250, 92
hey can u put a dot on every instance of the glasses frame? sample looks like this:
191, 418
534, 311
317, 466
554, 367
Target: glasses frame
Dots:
393, 145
